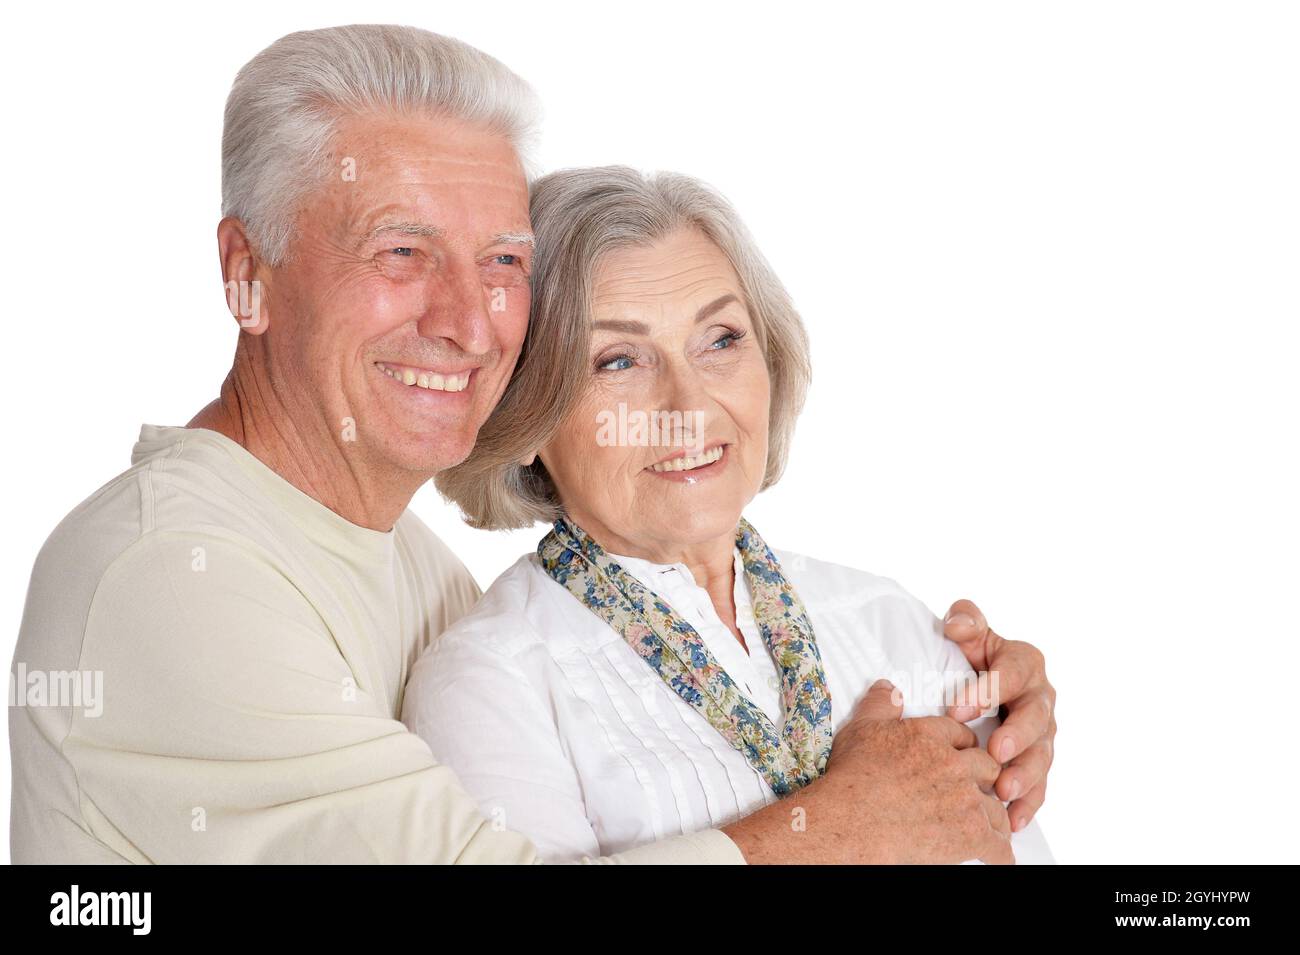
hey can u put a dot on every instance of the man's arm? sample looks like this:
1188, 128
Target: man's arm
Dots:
1025, 742
233, 730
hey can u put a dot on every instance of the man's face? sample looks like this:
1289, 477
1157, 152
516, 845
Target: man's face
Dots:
404, 302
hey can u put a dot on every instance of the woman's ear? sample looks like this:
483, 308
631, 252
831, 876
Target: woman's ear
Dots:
239, 268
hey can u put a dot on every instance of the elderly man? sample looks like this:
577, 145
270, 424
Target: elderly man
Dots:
253, 590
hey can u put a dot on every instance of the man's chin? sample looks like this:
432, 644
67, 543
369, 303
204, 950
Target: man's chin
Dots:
427, 454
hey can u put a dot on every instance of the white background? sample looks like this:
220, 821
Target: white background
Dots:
1047, 254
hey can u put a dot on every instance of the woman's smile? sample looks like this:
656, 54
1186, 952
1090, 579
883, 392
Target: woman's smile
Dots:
691, 469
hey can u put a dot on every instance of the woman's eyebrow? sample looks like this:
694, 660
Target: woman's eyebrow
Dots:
717, 305
640, 328
622, 325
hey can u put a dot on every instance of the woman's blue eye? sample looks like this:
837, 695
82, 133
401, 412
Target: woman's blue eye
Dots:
622, 361
726, 341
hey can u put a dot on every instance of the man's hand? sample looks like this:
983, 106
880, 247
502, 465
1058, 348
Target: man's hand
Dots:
894, 791
1024, 743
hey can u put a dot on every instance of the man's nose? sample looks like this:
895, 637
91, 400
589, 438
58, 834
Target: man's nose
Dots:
456, 309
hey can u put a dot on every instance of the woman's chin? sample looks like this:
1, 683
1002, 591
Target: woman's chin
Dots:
706, 520
698, 511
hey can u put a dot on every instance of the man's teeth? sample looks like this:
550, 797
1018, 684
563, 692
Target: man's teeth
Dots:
426, 379
686, 464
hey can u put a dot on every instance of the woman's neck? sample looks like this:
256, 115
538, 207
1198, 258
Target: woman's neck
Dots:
718, 576
712, 564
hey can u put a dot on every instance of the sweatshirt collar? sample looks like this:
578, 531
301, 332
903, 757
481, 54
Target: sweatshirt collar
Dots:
317, 520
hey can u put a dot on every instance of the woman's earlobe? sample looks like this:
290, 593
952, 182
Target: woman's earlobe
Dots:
528, 459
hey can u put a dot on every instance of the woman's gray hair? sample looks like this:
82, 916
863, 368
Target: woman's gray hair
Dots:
579, 216
283, 106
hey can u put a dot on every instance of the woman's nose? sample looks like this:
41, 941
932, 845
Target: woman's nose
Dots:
683, 391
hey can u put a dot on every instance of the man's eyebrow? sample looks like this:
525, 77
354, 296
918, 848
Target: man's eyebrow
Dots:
404, 228
433, 232
515, 238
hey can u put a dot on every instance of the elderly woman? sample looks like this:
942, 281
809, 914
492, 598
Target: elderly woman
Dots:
654, 668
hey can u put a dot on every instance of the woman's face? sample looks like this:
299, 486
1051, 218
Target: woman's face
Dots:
671, 334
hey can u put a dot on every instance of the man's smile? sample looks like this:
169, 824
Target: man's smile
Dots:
426, 378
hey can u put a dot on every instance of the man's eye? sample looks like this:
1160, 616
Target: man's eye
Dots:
512, 259
402, 250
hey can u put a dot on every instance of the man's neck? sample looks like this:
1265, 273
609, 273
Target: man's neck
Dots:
315, 464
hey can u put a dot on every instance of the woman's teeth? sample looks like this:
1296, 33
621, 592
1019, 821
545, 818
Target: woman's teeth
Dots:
687, 464
426, 379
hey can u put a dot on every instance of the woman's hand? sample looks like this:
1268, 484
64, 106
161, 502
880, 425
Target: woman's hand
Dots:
1023, 744
895, 791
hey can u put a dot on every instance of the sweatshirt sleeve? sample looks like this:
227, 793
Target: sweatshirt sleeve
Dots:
232, 730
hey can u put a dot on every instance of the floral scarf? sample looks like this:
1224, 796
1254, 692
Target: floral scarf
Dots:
789, 759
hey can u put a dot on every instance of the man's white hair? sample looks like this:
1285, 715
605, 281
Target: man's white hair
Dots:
283, 106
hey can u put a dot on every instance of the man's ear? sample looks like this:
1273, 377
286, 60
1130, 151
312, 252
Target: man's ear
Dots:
242, 272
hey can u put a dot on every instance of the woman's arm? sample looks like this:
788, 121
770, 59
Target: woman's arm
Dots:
483, 717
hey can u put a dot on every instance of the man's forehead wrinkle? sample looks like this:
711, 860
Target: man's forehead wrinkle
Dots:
436, 136
435, 168
416, 196
459, 158
408, 166
393, 200
435, 181
423, 150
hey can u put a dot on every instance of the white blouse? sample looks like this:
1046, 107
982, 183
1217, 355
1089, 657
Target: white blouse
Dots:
561, 732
